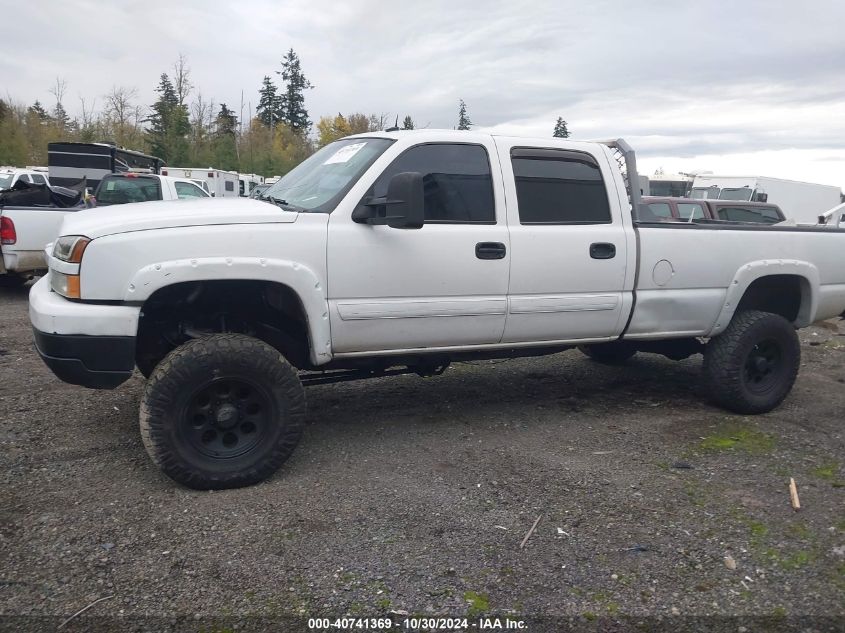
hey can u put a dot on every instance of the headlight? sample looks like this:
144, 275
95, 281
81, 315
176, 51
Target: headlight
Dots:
70, 248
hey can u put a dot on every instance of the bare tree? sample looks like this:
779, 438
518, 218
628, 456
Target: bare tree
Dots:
120, 106
59, 89
182, 79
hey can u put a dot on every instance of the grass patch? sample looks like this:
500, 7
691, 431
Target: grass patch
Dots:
738, 439
478, 603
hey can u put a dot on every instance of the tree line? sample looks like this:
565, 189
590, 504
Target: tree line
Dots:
185, 128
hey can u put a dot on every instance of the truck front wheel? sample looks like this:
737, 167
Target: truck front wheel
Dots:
223, 411
752, 365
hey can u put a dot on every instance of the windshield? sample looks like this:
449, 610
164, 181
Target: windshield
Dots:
318, 183
736, 193
6, 180
705, 193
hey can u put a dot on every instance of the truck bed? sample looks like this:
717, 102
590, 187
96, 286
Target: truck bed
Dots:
35, 227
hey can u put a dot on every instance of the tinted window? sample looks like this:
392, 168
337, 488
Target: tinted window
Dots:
188, 190
760, 215
689, 210
38, 179
737, 193
661, 209
121, 190
456, 181
559, 187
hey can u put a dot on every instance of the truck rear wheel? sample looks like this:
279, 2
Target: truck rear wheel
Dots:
609, 353
752, 365
223, 411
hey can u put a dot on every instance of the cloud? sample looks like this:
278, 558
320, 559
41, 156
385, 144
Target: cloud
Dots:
681, 80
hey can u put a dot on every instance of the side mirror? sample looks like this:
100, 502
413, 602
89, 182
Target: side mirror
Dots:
402, 208
762, 197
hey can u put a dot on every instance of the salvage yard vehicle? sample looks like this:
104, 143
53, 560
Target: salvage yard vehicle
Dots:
134, 187
11, 175
691, 210
219, 183
30, 217
71, 162
799, 201
399, 252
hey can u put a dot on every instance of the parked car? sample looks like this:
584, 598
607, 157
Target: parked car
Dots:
219, 183
258, 191
689, 210
133, 187
398, 252
799, 201
9, 176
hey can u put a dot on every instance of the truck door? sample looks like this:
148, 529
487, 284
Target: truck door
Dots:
570, 251
442, 285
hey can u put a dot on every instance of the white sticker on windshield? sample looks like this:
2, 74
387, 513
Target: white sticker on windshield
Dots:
110, 185
344, 153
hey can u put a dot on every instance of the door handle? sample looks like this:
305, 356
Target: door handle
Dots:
602, 250
490, 250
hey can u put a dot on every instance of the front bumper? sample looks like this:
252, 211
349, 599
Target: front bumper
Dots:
96, 362
86, 344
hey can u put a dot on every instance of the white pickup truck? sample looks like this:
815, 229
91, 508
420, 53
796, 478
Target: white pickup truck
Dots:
400, 252
25, 231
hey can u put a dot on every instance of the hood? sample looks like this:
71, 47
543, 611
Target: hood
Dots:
144, 216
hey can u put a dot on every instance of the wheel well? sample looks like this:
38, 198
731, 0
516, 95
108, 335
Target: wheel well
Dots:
269, 311
785, 295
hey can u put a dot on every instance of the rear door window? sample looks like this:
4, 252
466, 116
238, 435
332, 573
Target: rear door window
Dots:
38, 179
759, 215
661, 209
559, 187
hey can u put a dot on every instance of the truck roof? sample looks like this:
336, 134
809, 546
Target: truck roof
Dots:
469, 136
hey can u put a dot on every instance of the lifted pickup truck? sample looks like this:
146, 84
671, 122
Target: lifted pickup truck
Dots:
27, 230
400, 252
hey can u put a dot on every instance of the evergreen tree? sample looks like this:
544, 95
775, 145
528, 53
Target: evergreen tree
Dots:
463, 119
269, 104
225, 139
169, 124
38, 110
61, 117
408, 123
560, 129
227, 122
293, 112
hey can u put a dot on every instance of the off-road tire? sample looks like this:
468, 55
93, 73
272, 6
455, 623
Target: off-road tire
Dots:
733, 376
614, 353
182, 381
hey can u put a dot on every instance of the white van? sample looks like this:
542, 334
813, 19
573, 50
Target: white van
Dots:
220, 183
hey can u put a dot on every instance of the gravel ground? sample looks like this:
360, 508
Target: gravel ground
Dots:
412, 495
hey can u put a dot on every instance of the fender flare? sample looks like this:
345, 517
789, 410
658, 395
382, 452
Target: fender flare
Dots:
752, 271
304, 281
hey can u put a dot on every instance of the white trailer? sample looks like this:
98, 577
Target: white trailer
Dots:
219, 183
248, 182
799, 201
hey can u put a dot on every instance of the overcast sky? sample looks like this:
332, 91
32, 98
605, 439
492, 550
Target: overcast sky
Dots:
739, 86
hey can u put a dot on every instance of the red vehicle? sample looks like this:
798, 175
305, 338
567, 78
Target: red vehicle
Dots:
688, 210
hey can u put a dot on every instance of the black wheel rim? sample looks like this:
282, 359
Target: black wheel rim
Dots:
763, 366
226, 418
